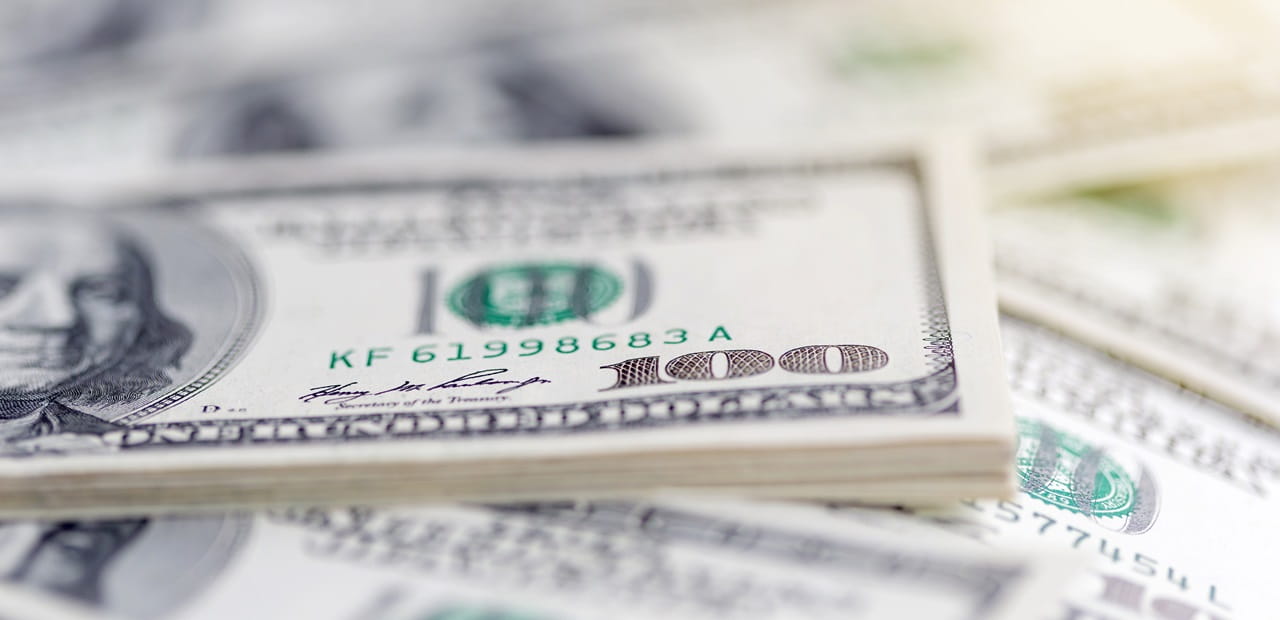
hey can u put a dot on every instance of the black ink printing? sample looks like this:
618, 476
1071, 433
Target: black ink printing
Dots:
335, 394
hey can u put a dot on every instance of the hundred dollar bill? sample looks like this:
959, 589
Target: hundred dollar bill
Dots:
464, 80
1159, 88
1171, 496
533, 324
669, 559
1196, 90
46, 42
456, 76
1173, 275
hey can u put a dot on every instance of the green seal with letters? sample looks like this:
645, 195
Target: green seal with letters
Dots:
527, 294
1065, 471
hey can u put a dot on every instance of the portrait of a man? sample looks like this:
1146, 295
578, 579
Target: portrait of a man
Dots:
80, 327
124, 567
69, 558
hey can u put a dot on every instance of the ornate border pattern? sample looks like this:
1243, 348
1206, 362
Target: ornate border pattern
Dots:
932, 394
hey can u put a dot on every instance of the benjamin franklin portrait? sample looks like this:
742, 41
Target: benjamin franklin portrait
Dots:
68, 558
130, 568
80, 327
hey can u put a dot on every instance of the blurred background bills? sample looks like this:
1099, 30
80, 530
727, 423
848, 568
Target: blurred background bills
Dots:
514, 310
677, 559
1060, 92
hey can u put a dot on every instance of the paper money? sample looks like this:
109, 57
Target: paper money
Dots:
457, 75
675, 559
580, 323
401, 76
1173, 275
1170, 496
1159, 88
48, 42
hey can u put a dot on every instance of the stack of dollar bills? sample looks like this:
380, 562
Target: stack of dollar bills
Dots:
591, 323
511, 310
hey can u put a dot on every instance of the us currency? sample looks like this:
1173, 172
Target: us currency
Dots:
462, 77
1160, 88
465, 79
539, 324
1197, 91
47, 42
628, 559
1170, 497
1173, 275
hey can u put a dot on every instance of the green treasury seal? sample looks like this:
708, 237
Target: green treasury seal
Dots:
1065, 471
528, 294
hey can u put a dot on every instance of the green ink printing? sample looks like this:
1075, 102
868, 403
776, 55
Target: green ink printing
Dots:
1114, 492
528, 294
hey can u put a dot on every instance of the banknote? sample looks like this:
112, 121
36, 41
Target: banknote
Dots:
1174, 275
489, 72
1170, 496
464, 80
557, 323
626, 559
459, 76
1159, 88
58, 41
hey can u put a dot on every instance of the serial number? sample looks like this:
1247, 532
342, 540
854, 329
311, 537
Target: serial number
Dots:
1045, 525
525, 347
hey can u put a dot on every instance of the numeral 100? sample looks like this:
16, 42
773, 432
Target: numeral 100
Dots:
815, 359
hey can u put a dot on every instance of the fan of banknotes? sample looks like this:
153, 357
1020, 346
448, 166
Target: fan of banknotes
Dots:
513, 310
